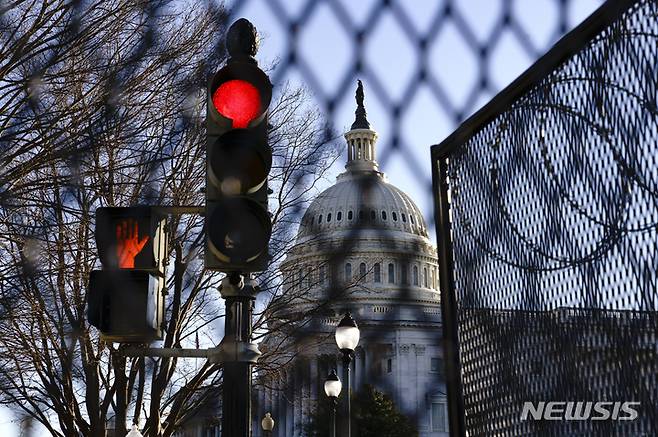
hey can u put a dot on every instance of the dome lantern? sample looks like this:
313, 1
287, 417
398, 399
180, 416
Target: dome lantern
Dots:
361, 139
361, 199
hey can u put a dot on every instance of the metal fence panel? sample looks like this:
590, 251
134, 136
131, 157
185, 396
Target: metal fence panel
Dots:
551, 194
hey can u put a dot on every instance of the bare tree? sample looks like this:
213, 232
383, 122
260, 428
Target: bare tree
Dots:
102, 105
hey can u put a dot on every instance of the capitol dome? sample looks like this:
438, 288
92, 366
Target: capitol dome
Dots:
360, 201
363, 230
362, 247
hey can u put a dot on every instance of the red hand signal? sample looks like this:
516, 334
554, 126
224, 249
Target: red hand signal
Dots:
128, 243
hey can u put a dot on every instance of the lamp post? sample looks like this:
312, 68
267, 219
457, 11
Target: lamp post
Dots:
134, 432
332, 388
347, 338
268, 424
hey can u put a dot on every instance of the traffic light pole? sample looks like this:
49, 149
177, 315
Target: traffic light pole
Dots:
238, 224
236, 352
236, 386
133, 245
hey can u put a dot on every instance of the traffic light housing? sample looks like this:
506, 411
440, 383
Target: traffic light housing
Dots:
126, 305
125, 299
238, 161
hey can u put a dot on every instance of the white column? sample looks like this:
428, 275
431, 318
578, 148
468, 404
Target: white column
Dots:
276, 402
312, 380
290, 423
358, 369
263, 408
364, 366
285, 411
297, 398
419, 350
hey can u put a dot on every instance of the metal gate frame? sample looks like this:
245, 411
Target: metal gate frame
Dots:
571, 43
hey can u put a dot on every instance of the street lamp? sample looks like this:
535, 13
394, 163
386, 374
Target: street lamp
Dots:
134, 432
332, 388
347, 338
268, 424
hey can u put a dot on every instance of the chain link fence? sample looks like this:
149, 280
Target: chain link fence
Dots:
547, 204
425, 65
85, 93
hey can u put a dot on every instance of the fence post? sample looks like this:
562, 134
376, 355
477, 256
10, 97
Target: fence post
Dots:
448, 297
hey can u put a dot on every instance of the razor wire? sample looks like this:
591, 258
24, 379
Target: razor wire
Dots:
507, 22
554, 215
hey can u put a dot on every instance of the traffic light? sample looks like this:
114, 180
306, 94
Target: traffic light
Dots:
238, 160
125, 299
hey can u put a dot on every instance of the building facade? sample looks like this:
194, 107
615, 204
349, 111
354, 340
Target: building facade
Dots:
362, 247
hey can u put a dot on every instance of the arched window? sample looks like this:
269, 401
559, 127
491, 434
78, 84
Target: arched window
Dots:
300, 277
362, 270
309, 276
395, 216
377, 272
415, 275
339, 216
404, 271
373, 215
323, 274
411, 217
383, 215
404, 218
361, 215
432, 278
348, 271
425, 277
328, 217
391, 273
349, 215
320, 219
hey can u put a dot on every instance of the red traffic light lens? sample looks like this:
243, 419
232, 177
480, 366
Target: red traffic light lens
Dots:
238, 100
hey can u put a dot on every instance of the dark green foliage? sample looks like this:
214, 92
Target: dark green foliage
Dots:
374, 414
320, 422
